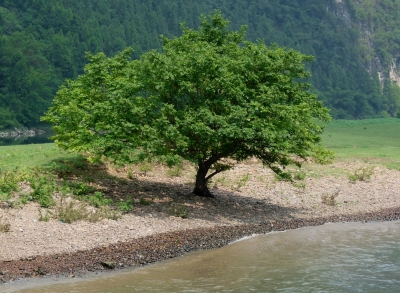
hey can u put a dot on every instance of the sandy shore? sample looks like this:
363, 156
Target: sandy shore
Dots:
248, 200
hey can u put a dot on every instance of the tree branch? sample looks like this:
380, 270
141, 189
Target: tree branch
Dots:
213, 174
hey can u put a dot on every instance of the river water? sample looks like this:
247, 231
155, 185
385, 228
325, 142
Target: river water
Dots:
37, 139
347, 257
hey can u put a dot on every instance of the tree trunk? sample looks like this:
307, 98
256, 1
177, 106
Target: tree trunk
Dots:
201, 188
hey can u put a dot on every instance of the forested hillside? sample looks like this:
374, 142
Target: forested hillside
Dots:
356, 45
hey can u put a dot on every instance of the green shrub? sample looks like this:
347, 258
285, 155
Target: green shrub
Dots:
97, 199
80, 188
125, 205
361, 174
44, 186
9, 180
4, 196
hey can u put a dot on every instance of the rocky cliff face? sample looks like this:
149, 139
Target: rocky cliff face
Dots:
394, 73
366, 44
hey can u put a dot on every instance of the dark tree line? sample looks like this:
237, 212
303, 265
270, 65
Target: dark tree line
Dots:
43, 42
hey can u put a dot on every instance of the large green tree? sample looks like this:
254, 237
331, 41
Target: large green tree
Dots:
209, 97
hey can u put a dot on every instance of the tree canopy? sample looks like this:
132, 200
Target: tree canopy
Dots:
208, 97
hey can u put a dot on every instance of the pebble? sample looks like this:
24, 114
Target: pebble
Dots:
163, 246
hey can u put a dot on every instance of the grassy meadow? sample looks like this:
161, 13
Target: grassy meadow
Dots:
373, 139
32, 155
376, 140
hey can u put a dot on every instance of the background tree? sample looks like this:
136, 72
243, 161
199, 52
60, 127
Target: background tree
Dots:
348, 38
209, 97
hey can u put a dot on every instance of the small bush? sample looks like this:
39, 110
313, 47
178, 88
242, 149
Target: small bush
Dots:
74, 211
97, 199
330, 199
125, 206
44, 186
80, 188
9, 180
4, 196
61, 169
362, 174
88, 179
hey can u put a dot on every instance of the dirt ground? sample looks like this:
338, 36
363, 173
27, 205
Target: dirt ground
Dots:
247, 194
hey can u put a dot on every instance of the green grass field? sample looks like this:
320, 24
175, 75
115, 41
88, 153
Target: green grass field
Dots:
373, 139
32, 155
370, 139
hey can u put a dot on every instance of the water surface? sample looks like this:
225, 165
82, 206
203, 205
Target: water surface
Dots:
348, 257
37, 139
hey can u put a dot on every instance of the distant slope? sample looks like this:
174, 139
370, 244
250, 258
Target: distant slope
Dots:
356, 44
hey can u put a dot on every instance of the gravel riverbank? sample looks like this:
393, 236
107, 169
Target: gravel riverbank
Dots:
248, 201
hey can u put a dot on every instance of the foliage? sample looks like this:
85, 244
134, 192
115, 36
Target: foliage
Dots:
125, 205
208, 96
8, 181
80, 188
97, 199
382, 24
44, 186
44, 42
